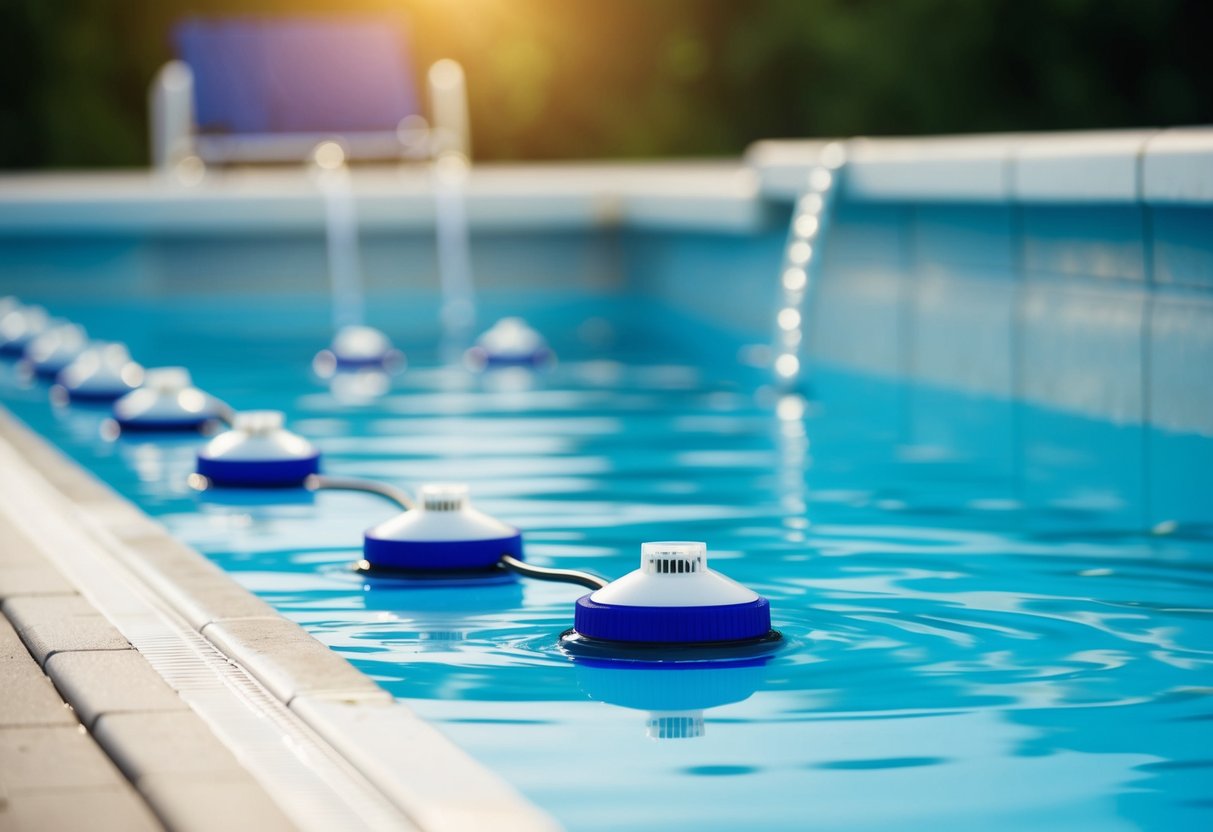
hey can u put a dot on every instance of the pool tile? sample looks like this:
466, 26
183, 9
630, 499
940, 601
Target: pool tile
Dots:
1180, 443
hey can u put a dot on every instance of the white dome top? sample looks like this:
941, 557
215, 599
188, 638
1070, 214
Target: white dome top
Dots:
258, 435
104, 365
59, 344
674, 573
511, 337
22, 323
168, 395
443, 513
360, 343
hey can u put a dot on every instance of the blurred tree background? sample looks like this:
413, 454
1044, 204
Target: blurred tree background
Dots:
555, 79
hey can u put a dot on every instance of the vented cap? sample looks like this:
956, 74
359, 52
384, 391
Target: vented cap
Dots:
443, 496
673, 558
675, 726
259, 422
167, 379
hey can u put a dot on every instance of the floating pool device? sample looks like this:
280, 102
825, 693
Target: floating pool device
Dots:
442, 538
672, 608
52, 350
358, 348
19, 326
511, 342
258, 452
101, 373
167, 401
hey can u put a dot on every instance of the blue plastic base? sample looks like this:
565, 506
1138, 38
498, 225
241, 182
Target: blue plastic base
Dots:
445, 555
49, 372
326, 362
13, 349
163, 425
388, 576
375, 363
672, 625
488, 360
95, 396
279, 473
600, 652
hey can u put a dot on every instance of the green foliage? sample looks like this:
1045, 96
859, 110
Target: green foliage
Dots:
631, 78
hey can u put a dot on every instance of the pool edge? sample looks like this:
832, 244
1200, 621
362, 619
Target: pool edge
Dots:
410, 764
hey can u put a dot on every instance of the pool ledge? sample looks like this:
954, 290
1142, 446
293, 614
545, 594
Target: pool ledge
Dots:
328, 745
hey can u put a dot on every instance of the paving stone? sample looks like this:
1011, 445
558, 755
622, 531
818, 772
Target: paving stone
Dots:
288, 661
110, 809
173, 743
27, 697
30, 700
197, 589
24, 569
15, 548
110, 681
59, 623
53, 757
200, 804
31, 579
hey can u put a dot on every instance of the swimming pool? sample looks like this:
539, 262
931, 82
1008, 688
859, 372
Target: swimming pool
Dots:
983, 519
954, 657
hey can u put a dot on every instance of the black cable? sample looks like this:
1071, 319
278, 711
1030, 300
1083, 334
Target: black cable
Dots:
225, 413
543, 573
319, 482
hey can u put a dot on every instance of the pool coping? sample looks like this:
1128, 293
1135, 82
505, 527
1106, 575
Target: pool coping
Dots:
433, 783
733, 196
705, 196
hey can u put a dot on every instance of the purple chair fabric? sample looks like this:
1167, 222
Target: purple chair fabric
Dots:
268, 75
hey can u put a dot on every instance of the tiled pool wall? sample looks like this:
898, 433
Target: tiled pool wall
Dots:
1051, 300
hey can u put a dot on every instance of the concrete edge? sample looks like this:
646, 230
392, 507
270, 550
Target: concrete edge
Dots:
720, 196
334, 699
1172, 166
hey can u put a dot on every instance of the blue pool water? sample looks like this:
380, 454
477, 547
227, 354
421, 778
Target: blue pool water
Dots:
952, 660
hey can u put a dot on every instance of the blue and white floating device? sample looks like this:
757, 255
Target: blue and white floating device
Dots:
20, 325
511, 342
167, 401
357, 348
443, 537
54, 348
102, 373
258, 452
673, 607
